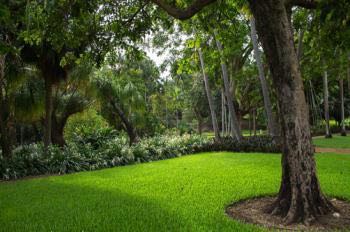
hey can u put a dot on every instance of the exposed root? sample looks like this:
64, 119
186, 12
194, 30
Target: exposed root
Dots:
272, 213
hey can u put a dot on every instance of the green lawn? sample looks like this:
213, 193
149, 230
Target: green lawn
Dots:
336, 142
182, 194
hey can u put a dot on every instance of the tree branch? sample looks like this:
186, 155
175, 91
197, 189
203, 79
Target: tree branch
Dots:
308, 4
183, 14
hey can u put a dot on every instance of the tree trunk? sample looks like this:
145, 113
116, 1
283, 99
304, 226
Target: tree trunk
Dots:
300, 197
48, 112
342, 110
130, 129
200, 126
348, 74
254, 121
250, 123
199, 120
5, 137
235, 132
209, 96
223, 112
271, 122
57, 131
326, 104
300, 45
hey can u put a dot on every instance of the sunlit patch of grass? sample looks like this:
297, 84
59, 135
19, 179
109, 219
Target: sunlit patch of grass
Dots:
182, 194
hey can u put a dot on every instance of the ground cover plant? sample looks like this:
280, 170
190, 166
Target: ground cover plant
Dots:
105, 148
188, 194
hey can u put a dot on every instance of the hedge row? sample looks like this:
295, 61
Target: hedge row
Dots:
104, 151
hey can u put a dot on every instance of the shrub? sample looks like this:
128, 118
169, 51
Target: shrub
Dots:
106, 149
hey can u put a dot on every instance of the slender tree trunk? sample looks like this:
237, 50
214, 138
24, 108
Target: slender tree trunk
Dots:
348, 74
300, 197
200, 125
271, 122
300, 45
5, 138
235, 132
222, 113
326, 104
48, 112
199, 120
342, 110
250, 122
254, 121
130, 129
209, 96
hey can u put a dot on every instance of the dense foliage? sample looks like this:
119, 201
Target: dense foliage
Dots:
105, 148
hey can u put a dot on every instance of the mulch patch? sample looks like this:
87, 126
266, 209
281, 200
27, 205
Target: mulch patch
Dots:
345, 151
253, 211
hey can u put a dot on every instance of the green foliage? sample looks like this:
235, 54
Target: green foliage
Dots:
105, 148
84, 124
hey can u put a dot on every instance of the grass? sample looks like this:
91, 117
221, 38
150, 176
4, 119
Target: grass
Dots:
336, 142
183, 194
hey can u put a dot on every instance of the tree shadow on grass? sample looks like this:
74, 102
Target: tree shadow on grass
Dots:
67, 207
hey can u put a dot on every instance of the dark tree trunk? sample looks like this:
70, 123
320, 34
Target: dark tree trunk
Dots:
209, 97
5, 138
57, 131
129, 127
300, 197
48, 112
342, 110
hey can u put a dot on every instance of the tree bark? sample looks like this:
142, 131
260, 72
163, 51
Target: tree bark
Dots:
348, 74
57, 135
235, 132
5, 138
300, 197
342, 110
300, 45
209, 96
326, 104
271, 122
48, 112
130, 129
223, 113
254, 122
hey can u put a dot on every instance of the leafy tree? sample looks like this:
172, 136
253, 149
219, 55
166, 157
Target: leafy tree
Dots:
295, 202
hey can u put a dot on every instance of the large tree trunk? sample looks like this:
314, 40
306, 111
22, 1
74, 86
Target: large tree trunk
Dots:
209, 96
5, 138
57, 134
129, 127
300, 197
235, 132
271, 122
48, 112
342, 110
326, 104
